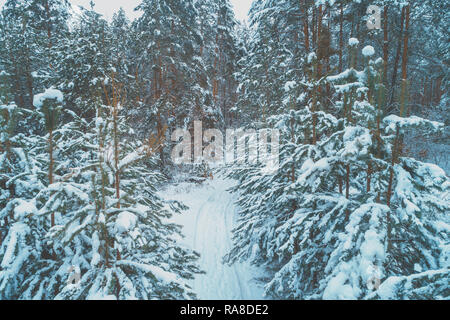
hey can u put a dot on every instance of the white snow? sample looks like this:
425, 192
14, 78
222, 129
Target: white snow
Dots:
49, 94
367, 264
353, 42
357, 141
289, 85
207, 226
23, 209
368, 51
126, 221
392, 121
158, 273
99, 122
389, 288
338, 290
15, 238
311, 57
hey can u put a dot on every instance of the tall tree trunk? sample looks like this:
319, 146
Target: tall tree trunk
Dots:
314, 33
216, 62
173, 69
385, 45
305, 25
102, 206
293, 142
160, 133
116, 158
438, 93
341, 39
327, 60
358, 18
29, 82
397, 57
347, 189
49, 23
425, 91
50, 168
314, 105
404, 94
347, 181
319, 34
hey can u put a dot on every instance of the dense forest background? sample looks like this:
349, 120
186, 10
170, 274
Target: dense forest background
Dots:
88, 107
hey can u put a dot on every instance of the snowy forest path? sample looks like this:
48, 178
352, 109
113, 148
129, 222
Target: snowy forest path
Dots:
208, 226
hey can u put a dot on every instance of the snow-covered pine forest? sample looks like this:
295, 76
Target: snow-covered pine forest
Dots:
92, 206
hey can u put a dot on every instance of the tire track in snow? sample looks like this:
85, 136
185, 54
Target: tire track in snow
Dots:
230, 208
207, 226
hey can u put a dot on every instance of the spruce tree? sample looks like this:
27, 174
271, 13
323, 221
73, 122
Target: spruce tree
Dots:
324, 227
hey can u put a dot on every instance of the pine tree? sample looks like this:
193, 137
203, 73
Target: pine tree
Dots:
32, 32
219, 49
119, 241
179, 90
324, 242
85, 62
265, 67
21, 178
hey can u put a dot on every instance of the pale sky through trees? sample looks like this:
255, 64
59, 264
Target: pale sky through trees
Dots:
108, 7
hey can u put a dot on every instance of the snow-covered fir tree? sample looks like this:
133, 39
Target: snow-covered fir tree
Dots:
23, 253
85, 62
32, 33
264, 67
177, 88
119, 239
94, 213
324, 226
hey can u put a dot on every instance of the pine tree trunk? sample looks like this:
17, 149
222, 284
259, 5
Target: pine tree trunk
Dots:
385, 45
404, 98
314, 34
430, 92
293, 142
319, 33
216, 62
116, 157
347, 191
397, 57
50, 169
327, 60
29, 83
438, 94
347, 181
341, 39
305, 26
395, 148
314, 106
424, 92
160, 133
49, 24
172, 65
389, 192
103, 194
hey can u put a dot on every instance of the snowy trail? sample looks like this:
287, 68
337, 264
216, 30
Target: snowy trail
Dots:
207, 226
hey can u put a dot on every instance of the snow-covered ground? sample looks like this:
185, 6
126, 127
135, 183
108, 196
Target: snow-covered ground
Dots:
207, 226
